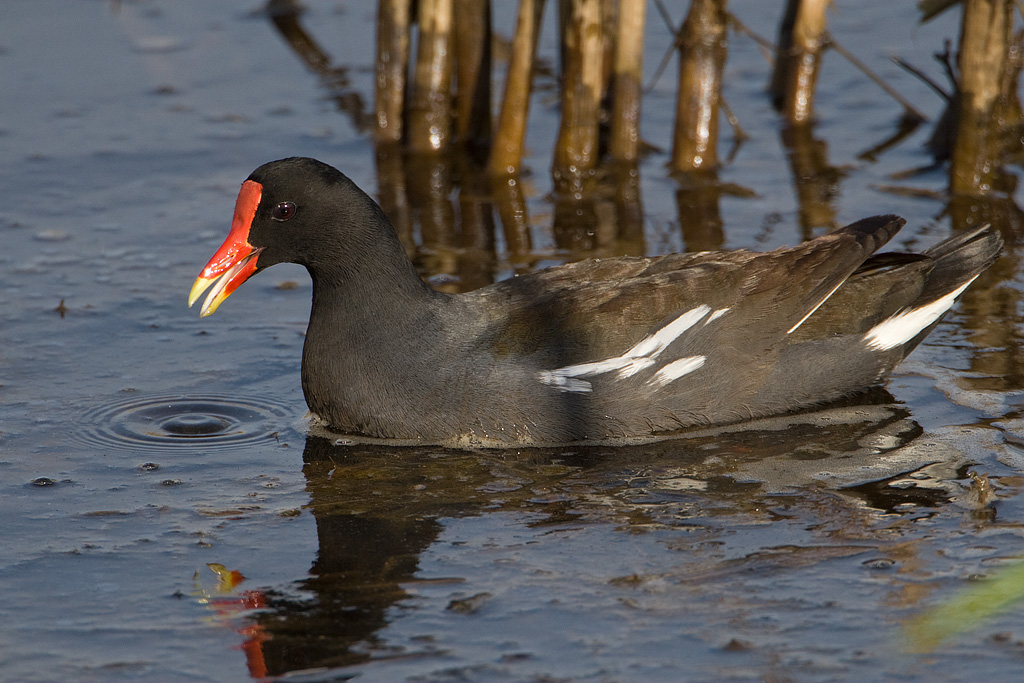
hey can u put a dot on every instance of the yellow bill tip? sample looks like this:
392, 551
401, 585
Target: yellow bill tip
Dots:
200, 286
212, 303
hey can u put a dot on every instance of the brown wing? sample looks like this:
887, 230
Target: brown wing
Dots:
588, 310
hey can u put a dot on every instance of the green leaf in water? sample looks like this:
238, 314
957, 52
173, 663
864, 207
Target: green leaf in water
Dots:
966, 610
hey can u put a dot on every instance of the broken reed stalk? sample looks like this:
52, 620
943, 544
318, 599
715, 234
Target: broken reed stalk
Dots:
909, 109
429, 112
576, 149
702, 52
507, 147
801, 40
391, 67
284, 15
473, 71
984, 43
627, 82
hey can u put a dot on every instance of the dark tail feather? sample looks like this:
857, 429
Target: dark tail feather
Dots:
872, 233
957, 240
957, 261
960, 259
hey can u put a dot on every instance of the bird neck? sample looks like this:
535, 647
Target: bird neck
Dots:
368, 341
367, 275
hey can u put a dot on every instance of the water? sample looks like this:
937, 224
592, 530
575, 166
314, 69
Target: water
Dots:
140, 444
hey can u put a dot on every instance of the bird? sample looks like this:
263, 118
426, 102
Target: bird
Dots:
599, 351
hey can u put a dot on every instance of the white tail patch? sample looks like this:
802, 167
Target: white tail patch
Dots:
904, 325
640, 356
676, 369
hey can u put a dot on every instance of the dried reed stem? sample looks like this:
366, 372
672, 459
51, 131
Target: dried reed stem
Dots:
507, 149
429, 113
984, 42
702, 52
801, 40
576, 150
473, 71
391, 67
627, 81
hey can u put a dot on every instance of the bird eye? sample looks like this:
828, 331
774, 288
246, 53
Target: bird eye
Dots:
283, 211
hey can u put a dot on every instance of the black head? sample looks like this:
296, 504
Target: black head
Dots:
312, 214
300, 210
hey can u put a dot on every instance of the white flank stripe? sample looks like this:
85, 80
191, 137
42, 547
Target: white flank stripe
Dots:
577, 386
903, 326
811, 312
590, 369
716, 315
640, 356
653, 344
635, 366
676, 369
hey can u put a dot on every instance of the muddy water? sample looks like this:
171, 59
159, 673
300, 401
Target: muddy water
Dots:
139, 445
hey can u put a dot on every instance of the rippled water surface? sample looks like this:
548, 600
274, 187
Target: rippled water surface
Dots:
167, 517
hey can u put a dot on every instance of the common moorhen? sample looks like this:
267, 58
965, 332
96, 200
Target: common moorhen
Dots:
604, 349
